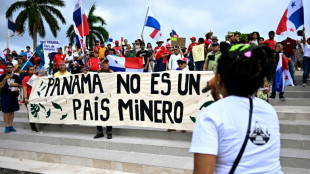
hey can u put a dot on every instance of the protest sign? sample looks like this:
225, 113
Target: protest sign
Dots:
178, 41
158, 100
199, 52
50, 45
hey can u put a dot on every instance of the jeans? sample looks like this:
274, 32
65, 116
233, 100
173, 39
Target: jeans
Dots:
291, 67
305, 64
159, 65
273, 90
190, 62
199, 65
100, 130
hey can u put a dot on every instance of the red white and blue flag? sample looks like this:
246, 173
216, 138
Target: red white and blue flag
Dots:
174, 33
283, 77
153, 22
80, 19
292, 18
125, 64
78, 38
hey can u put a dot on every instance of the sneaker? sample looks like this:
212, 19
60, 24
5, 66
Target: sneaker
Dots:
304, 85
98, 135
7, 130
12, 129
109, 136
282, 98
272, 97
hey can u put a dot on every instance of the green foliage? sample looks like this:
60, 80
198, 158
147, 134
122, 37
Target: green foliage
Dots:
35, 12
242, 36
96, 32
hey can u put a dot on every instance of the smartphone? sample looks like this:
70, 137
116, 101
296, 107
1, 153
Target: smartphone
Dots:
122, 39
9, 72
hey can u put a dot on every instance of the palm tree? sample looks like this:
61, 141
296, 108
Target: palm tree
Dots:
35, 11
95, 32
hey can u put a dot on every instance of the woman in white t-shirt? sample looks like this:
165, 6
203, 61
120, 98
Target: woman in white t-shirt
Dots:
221, 128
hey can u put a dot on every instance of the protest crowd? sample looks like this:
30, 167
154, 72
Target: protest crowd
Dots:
17, 67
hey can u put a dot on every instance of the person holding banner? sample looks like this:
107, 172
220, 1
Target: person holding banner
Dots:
239, 133
27, 91
104, 69
62, 69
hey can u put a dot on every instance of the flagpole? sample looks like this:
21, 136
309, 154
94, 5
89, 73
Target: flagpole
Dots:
145, 19
7, 32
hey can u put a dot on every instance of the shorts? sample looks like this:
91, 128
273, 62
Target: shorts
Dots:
9, 103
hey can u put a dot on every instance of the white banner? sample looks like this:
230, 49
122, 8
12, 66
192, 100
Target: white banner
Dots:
159, 100
51, 45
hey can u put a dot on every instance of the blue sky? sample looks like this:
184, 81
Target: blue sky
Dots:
189, 18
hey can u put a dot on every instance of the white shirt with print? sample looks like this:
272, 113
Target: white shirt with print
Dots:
220, 130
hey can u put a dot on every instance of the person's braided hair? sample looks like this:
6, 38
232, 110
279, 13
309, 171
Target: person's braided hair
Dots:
244, 67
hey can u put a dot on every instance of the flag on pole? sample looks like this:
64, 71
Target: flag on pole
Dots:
12, 27
125, 64
174, 33
80, 19
78, 38
40, 54
153, 22
283, 77
292, 18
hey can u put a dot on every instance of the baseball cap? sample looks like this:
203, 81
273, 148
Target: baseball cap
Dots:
61, 63
116, 41
193, 38
23, 54
70, 50
184, 60
308, 38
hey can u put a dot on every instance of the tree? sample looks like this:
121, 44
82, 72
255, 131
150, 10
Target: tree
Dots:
35, 11
95, 32
242, 36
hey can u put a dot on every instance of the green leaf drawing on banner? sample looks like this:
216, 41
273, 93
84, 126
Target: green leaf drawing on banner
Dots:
34, 108
63, 117
39, 94
206, 104
43, 88
193, 119
48, 113
57, 106
41, 84
42, 106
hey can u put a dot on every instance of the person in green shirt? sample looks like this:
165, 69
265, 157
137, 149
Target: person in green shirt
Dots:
212, 57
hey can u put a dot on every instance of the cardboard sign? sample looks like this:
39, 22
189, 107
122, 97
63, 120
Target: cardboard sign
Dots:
178, 41
159, 100
51, 45
199, 52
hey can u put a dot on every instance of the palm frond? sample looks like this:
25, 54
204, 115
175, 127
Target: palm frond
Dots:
14, 7
21, 20
59, 3
55, 12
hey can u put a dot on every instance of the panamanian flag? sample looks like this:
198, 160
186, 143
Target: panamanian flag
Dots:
80, 19
125, 64
153, 23
283, 77
292, 18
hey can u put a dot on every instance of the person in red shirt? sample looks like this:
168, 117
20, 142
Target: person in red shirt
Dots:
58, 57
97, 45
289, 48
94, 63
2, 67
159, 56
271, 43
190, 56
208, 39
118, 48
27, 91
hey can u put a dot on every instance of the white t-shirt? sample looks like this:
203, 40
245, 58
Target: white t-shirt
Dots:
173, 64
306, 48
68, 58
220, 130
